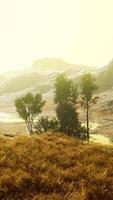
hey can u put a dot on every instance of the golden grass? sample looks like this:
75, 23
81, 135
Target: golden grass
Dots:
54, 167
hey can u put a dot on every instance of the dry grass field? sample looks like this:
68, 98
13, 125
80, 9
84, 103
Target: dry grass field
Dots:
52, 166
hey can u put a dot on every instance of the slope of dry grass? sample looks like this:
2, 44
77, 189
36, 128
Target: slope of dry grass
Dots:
54, 167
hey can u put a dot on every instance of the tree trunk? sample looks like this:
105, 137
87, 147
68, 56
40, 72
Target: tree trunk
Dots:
87, 121
29, 126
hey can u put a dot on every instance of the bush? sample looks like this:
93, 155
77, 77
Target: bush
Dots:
82, 133
44, 124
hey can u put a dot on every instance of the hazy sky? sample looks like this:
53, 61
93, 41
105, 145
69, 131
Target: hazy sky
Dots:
79, 31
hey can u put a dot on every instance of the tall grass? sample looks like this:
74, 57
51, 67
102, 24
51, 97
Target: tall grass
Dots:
55, 167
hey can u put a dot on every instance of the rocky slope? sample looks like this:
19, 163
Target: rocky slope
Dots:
105, 77
40, 78
42, 72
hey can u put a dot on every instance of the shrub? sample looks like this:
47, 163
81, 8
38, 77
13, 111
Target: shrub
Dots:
44, 124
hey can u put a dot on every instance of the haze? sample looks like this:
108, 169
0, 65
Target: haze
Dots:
78, 31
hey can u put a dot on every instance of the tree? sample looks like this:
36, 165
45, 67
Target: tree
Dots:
66, 99
88, 88
28, 107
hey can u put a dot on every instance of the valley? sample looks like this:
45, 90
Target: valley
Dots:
40, 78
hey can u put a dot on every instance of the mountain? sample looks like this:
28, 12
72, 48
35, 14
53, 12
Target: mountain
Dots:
50, 64
105, 77
40, 76
56, 65
21, 82
2, 78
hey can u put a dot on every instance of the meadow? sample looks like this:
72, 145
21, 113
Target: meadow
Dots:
53, 166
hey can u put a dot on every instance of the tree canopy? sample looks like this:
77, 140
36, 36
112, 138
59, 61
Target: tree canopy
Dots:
65, 98
88, 88
28, 107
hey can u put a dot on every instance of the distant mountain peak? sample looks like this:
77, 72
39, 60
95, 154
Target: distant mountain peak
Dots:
50, 64
55, 64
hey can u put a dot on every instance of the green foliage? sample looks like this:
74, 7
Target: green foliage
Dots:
65, 98
82, 133
28, 107
44, 124
68, 118
65, 91
88, 88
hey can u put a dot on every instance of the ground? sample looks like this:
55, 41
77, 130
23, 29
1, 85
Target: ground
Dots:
53, 166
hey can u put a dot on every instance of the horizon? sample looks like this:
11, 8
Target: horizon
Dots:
76, 31
30, 67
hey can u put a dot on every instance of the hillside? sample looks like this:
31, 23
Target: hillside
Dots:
56, 65
40, 76
54, 167
50, 64
21, 82
2, 78
105, 77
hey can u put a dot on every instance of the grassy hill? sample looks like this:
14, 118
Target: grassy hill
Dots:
54, 167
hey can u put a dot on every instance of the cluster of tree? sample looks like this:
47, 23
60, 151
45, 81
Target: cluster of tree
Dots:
66, 100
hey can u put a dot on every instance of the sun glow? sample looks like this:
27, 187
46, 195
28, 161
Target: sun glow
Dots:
76, 30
